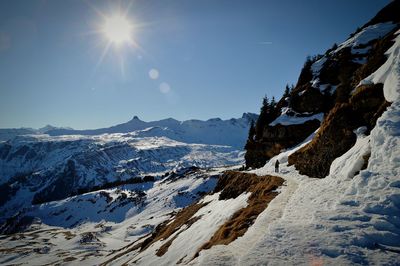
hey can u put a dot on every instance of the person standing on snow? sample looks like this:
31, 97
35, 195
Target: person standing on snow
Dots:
277, 166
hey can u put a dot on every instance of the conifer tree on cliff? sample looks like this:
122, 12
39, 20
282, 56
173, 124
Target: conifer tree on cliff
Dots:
263, 118
252, 131
251, 136
272, 105
287, 91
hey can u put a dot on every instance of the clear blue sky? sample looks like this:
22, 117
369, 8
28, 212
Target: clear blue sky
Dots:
218, 57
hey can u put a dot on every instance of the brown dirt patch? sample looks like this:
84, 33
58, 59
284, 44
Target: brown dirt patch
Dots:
68, 235
68, 259
164, 248
233, 184
166, 229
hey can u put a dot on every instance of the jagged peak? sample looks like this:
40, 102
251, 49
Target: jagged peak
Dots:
250, 116
217, 119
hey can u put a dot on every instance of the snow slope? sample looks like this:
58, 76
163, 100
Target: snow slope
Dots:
350, 217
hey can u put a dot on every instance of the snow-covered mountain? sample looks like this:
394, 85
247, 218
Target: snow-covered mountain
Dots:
232, 132
171, 212
37, 168
9, 133
40, 168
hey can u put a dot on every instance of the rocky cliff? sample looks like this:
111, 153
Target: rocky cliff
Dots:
326, 86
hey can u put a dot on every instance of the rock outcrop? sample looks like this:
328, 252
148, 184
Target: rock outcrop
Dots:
336, 135
275, 139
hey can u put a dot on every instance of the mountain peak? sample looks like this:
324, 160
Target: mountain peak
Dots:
250, 116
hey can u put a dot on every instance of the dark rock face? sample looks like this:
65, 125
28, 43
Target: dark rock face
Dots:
61, 188
388, 13
17, 223
310, 101
4, 150
276, 138
336, 134
7, 192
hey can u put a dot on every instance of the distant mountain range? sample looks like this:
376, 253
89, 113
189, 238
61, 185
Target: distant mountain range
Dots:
47, 164
9, 133
231, 132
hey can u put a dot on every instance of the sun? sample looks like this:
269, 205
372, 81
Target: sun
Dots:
117, 29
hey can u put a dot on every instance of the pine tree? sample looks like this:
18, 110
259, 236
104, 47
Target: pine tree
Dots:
287, 91
263, 117
252, 131
273, 110
265, 104
272, 104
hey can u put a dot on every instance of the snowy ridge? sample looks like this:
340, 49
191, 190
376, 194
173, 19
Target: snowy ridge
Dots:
288, 118
231, 132
359, 43
9, 133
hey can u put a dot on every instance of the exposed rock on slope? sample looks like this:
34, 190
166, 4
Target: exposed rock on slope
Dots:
276, 138
336, 135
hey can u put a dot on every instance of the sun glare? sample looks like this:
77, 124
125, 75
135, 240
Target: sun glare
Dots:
117, 29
